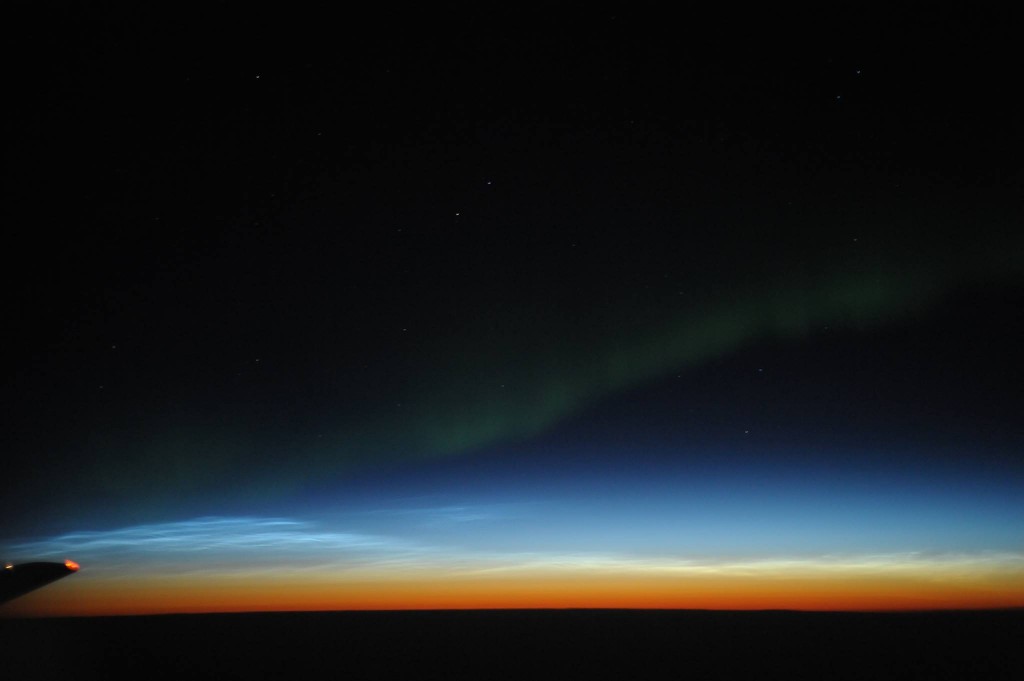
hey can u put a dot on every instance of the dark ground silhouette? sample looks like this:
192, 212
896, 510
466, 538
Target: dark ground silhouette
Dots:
568, 644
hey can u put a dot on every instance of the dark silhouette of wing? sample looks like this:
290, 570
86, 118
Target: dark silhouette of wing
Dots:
16, 580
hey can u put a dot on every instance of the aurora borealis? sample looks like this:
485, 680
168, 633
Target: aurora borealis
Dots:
515, 315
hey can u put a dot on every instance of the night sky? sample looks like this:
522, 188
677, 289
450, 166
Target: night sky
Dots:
504, 308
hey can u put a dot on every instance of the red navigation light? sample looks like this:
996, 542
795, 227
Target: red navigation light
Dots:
71, 565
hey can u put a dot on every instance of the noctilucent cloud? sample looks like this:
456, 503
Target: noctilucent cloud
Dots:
950, 538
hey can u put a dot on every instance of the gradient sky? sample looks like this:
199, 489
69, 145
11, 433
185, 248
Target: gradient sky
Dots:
520, 311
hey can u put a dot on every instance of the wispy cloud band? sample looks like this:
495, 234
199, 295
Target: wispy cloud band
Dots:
254, 543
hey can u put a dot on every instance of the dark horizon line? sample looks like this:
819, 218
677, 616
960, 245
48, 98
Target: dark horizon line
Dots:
409, 611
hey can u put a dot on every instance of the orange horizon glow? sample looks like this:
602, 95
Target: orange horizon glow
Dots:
254, 592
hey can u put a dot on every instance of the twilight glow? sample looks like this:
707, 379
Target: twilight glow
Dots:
697, 541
